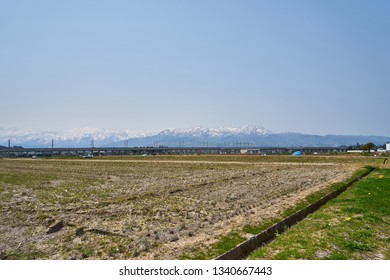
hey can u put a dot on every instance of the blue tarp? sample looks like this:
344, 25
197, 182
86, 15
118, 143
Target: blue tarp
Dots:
296, 154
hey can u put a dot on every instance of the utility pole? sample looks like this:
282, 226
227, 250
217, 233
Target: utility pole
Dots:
52, 143
9, 146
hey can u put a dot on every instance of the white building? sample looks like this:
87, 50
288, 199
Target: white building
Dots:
388, 147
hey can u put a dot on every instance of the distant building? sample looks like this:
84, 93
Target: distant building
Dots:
388, 146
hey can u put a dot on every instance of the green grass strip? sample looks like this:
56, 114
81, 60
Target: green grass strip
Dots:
355, 225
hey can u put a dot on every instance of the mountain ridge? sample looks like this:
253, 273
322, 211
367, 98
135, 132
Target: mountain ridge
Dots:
249, 135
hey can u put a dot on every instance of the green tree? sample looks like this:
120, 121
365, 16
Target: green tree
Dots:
368, 146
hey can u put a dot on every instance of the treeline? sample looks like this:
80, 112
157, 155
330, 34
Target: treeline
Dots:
16, 147
366, 147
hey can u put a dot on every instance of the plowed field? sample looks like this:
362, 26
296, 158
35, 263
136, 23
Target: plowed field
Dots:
142, 209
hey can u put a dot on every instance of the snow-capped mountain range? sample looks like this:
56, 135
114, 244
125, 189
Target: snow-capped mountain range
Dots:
192, 137
80, 137
215, 132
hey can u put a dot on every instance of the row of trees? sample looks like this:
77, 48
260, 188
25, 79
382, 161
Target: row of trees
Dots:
366, 147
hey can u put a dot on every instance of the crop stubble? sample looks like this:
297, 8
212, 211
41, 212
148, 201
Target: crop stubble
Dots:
141, 209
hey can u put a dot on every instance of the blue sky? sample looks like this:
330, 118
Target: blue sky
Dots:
319, 67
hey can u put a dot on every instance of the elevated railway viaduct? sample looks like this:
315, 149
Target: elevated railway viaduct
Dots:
110, 151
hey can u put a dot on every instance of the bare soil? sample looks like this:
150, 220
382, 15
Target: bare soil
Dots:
142, 209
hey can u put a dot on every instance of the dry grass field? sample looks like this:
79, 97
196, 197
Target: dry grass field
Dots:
150, 207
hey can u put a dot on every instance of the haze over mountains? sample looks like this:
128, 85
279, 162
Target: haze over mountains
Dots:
246, 136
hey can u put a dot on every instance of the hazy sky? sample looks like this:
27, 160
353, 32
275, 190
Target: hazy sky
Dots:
320, 67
